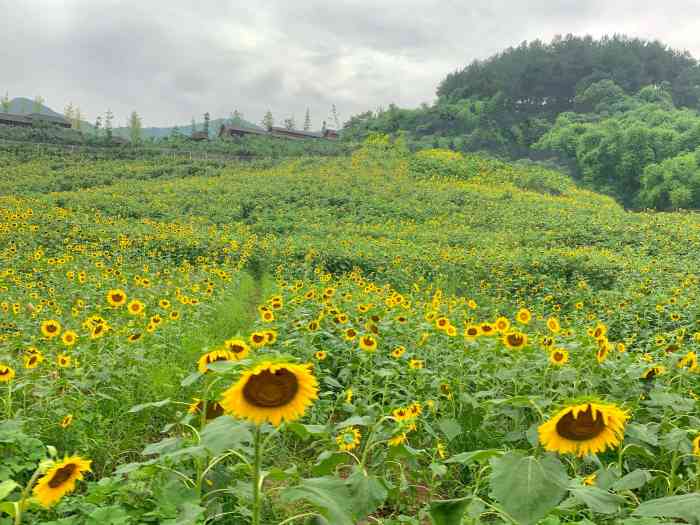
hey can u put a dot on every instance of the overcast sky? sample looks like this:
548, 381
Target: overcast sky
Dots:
175, 59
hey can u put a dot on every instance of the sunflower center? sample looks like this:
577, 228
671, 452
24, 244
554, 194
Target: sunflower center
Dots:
51, 328
270, 390
515, 339
62, 475
582, 428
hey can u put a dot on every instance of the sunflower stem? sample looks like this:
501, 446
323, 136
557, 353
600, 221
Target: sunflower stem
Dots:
19, 506
9, 400
256, 476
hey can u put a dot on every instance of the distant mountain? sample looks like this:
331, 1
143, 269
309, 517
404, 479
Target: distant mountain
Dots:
23, 106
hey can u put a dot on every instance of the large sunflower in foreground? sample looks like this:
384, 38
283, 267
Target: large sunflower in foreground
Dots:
60, 479
584, 429
271, 392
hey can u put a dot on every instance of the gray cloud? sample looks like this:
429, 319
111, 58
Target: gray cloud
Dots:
173, 60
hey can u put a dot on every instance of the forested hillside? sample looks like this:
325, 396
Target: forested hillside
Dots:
619, 113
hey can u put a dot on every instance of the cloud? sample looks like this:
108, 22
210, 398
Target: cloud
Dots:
171, 61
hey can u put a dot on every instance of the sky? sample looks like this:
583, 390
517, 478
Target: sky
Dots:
174, 60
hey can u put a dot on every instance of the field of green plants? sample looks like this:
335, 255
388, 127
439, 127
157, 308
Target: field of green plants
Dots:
387, 337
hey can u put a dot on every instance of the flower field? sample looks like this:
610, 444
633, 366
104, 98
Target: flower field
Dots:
389, 338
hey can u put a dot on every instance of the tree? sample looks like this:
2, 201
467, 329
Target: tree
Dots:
135, 127
307, 120
108, 124
77, 119
5, 102
98, 125
236, 117
194, 126
334, 117
206, 123
38, 104
268, 121
69, 114
289, 123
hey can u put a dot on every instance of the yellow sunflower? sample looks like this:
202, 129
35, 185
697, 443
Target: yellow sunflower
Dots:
238, 347
135, 307
689, 361
69, 337
60, 479
502, 324
558, 357
415, 364
515, 340
653, 372
553, 325
33, 360
66, 421
471, 332
349, 334
348, 439
63, 360
272, 392
398, 352
523, 316
51, 328
397, 440
368, 343
584, 429
401, 414
320, 355
116, 297
213, 357
257, 339
696, 447
270, 337
7, 374
214, 408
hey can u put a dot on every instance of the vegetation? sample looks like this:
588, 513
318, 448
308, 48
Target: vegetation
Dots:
388, 336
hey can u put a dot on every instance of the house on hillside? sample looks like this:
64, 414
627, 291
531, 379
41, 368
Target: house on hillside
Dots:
33, 119
293, 134
231, 130
199, 135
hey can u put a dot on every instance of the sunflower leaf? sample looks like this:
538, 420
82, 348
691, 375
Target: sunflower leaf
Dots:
6, 487
597, 499
225, 433
634, 480
154, 404
329, 495
474, 456
528, 488
686, 507
448, 512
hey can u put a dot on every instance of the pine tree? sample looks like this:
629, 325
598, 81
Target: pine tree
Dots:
206, 123
307, 120
135, 127
5, 102
38, 102
108, 124
334, 116
77, 119
268, 121
289, 123
69, 114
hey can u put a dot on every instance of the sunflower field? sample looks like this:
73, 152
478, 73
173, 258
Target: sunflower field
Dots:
388, 337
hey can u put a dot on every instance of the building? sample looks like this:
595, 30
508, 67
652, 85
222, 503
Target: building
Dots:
231, 130
200, 135
294, 134
33, 119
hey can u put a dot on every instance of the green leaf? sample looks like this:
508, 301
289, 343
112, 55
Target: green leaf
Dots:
448, 512
528, 488
330, 496
190, 379
6, 487
162, 447
450, 427
8, 508
597, 499
368, 493
475, 456
154, 404
306, 431
225, 433
686, 507
645, 433
360, 421
634, 480
327, 461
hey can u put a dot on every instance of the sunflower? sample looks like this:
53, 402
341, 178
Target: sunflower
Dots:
599, 331
553, 325
590, 480
348, 439
268, 316
320, 355
33, 360
401, 414
349, 334
584, 429
558, 357
257, 339
66, 421
487, 329
653, 372
135, 307
69, 337
689, 361
523, 316
696, 446
51, 328
270, 336
441, 323
502, 324
397, 440
7, 374
514, 340
135, 337
60, 479
368, 343
214, 408
98, 331
398, 352
238, 347
174, 315
471, 332
116, 298
415, 364
602, 353
63, 360
213, 357
272, 392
